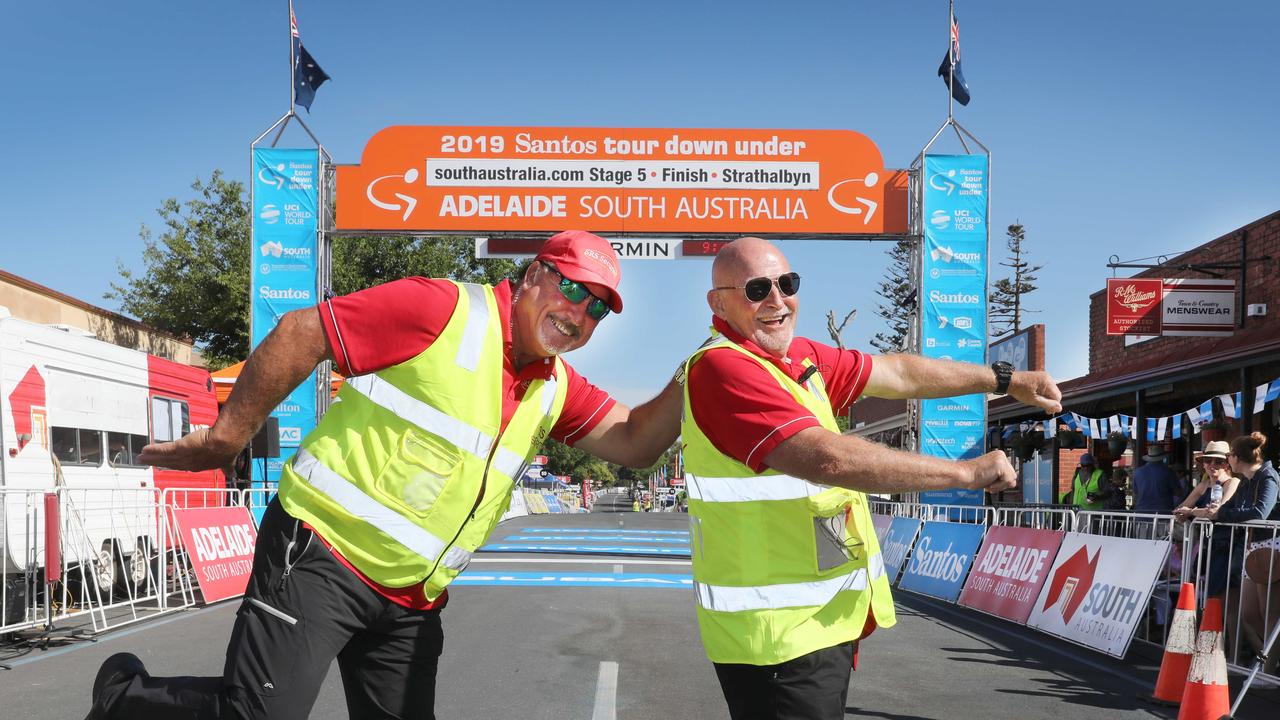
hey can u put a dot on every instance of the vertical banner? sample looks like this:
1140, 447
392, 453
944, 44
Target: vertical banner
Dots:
954, 296
283, 262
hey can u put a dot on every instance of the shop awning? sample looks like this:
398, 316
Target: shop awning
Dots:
225, 379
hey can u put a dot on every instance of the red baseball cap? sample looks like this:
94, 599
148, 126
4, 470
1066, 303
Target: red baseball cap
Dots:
586, 258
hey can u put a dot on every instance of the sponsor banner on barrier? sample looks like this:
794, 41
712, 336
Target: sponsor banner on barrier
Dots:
1098, 590
219, 541
941, 559
632, 180
897, 543
283, 263
1009, 571
881, 523
954, 299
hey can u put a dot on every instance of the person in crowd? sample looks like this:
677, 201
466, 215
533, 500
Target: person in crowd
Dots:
787, 572
451, 389
1260, 584
1088, 487
1118, 495
1217, 483
1155, 485
1254, 499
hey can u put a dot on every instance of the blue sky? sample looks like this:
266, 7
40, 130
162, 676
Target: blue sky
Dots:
1134, 128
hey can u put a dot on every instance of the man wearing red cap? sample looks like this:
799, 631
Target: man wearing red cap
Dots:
451, 388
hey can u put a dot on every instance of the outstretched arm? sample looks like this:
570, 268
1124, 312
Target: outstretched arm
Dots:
912, 376
636, 437
285, 358
821, 456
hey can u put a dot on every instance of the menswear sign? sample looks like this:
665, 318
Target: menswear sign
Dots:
632, 180
1170, 306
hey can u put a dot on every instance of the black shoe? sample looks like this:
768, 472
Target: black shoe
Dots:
115, 670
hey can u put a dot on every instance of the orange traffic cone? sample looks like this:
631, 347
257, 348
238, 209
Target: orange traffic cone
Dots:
1206, 696
1177, 650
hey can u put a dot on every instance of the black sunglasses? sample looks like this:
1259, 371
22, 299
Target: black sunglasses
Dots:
575, 292
759, 288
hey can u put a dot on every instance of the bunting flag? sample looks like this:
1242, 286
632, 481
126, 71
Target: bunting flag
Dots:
1265, 393
1194, 416
1049, 426
1206, 411
1230, 405
1162, 426
1073, 421
1133, 428
1151, 429
1093, 428
1177, 426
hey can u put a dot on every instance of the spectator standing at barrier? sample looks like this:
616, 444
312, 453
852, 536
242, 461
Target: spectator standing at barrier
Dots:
1254, 499
451, 389
1118, 494
787, 570
1155, 485
1088, 490
1217, 483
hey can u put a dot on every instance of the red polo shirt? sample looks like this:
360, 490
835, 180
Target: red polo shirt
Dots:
388, 324
745, 413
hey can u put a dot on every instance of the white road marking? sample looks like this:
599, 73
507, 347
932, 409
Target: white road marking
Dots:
617, 569
606, 707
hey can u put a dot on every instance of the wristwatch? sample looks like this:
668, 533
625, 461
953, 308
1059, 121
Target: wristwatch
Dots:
1004, 374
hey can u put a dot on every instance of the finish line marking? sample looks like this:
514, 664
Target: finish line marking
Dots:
586, 549
533, 579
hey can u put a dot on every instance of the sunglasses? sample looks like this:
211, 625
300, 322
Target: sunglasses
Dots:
1215, 461
575, 292
759, 288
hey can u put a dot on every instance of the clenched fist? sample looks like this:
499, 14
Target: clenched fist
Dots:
991, 472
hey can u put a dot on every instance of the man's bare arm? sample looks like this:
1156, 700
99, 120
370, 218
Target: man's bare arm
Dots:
636, 437
912, 376
286, 356
821, 456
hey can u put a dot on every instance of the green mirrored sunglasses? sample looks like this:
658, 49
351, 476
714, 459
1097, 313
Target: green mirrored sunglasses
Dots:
575, 292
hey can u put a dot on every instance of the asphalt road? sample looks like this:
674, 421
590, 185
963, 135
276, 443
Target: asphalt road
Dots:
603, 628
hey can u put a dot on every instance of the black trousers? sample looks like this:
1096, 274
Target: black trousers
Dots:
810, 687
298, 614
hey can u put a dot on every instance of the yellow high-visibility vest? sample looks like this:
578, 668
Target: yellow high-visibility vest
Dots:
409, 471
781, 566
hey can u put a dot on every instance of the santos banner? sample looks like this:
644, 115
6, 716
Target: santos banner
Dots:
627, 180
285, 199
954, 292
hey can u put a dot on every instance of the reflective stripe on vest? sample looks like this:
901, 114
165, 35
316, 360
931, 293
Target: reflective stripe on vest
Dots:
473, 333
726, 598
393, 524
458, 433
749, 489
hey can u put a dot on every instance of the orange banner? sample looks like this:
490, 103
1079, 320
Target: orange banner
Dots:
621, 180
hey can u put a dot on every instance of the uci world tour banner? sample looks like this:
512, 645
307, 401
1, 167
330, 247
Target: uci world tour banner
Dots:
954, 292
285, 200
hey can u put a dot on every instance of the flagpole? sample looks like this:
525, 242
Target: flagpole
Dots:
293, 62
951, 66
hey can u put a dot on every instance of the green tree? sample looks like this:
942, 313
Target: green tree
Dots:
577, 464
196, 278
195, 281
899, 295
1007, 304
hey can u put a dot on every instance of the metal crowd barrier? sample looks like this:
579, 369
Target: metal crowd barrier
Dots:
1211, 555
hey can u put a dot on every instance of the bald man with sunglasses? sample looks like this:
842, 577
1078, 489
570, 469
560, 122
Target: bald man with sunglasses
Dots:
787, 571
451, 388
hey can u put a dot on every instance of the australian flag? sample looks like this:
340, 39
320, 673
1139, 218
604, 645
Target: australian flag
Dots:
959, 89
307, 75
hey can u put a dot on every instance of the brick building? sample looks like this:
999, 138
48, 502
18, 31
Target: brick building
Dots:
1161, 376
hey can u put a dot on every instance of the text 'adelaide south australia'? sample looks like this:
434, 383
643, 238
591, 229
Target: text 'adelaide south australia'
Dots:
624, 207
